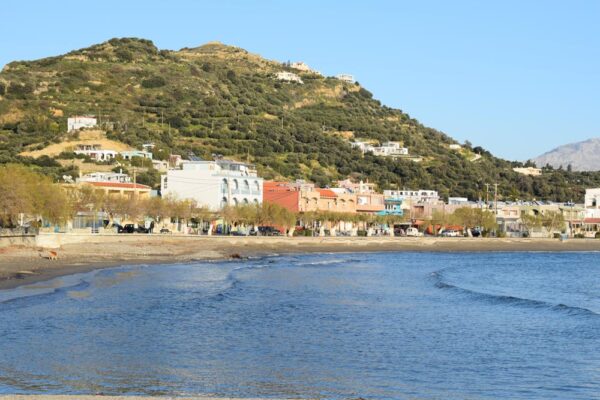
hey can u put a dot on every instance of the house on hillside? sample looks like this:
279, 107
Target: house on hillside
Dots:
95, 152
390, 149
301, 66
346, 78
288, 77
128, 155
77, 122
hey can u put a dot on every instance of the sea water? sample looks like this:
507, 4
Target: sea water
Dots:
371, 325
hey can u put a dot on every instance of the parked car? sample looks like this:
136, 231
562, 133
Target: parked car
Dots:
413, 232
266, 231
127, 228
141, 229
450, 233
164, 230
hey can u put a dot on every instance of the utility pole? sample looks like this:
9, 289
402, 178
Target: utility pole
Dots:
487, 195
496, 198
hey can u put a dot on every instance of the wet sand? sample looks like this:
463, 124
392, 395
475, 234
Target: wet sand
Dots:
78, 397
21, 265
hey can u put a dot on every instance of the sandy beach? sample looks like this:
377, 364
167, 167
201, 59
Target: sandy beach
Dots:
20, 264
78, 397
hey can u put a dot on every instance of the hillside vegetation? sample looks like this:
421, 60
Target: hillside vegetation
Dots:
218, 99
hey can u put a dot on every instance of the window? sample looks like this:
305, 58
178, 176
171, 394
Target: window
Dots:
223, 202
246, 186
257, 187
246, 201
235, 201
224, 186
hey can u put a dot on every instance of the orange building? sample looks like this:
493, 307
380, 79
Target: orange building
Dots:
298, 197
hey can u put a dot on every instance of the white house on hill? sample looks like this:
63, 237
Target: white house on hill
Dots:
346, 78
288, 77
80, 121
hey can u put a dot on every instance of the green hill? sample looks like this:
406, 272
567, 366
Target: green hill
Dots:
218, 99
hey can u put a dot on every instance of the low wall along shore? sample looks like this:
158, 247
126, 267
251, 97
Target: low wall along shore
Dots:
346, 244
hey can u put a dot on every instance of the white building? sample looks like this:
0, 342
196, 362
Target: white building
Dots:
214, 184
160, 165
362, 146
454, 146
387, 149
592, 198
128, 155
413, 196
346, 78
455, 201
95, 152
390, 149
80, 121
301, 66
105, 177
288, 77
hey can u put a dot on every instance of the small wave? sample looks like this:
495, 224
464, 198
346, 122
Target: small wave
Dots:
327, 262
42, 298
511, 300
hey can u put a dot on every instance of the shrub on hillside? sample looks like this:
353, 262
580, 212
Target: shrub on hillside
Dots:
154, 82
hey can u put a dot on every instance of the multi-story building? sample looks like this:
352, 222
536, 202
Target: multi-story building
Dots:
414, 196
300, 197
105, 177
77, 122
214, 184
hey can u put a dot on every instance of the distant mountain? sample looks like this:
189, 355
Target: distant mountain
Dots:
582, 156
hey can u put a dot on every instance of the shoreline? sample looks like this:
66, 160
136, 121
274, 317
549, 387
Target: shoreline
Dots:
23, 265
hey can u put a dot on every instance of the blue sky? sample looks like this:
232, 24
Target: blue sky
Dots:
516, 77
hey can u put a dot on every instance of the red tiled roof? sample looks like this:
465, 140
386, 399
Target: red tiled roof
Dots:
326, 193
120, 185
273, 186
591, 221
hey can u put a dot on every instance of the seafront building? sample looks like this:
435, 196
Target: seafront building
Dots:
414, 196
214, 184
112, 184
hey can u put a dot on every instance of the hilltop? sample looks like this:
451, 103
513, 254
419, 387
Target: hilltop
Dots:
580, 156
219, 99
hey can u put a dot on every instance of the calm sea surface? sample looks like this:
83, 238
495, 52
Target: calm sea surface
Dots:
379, 325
